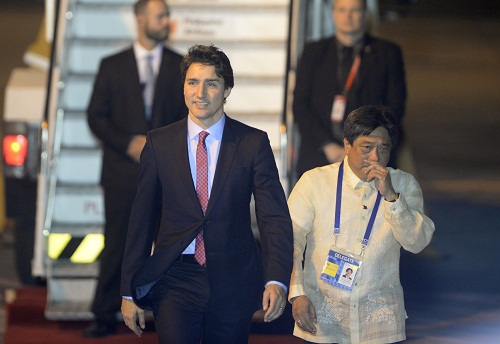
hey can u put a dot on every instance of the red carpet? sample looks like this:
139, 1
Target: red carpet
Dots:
26, 324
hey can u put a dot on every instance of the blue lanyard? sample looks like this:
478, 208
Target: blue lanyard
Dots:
369, 227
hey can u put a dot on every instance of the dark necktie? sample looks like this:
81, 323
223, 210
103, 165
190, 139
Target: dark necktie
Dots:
202, 191
345, 65
149, 87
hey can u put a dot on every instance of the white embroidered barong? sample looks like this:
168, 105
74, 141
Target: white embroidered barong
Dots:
373, 312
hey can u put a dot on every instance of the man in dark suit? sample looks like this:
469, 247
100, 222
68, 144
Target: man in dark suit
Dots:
120, 114
208, 297
325, 92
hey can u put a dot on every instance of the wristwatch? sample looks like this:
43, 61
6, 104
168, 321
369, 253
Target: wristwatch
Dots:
395, 198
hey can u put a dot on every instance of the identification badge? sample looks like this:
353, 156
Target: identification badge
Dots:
341, 268
338, 108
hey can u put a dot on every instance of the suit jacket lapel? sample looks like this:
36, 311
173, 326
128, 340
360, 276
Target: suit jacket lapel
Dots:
133, 80
229, 145
328, 58
160, 90
130, 78
182, 159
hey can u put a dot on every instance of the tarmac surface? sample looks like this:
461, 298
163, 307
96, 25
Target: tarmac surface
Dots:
452, 59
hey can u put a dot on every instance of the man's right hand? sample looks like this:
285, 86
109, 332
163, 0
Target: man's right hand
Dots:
304, 313
334, 152
135, 147
131, 314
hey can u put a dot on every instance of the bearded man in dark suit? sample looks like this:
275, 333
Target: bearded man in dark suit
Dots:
209, 297
325, 91
135, 91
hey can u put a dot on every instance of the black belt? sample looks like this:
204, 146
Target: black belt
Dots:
187, 258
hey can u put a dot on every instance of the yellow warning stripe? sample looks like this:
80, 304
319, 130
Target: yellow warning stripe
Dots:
87, 250
57, 243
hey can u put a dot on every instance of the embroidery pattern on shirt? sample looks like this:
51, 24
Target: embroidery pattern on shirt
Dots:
377, 310
377, 306
330, 311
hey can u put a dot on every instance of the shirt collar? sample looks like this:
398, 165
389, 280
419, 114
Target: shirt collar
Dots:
215, 130
356, 47
141, 52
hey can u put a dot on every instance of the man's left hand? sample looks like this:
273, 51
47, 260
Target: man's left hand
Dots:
273, 302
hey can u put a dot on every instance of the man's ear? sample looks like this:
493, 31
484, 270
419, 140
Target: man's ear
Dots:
346, 146
140, 21
227, 92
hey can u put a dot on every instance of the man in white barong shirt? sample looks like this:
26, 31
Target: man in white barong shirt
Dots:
373, 311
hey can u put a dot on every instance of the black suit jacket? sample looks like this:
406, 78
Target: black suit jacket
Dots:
166, 194
380, 80
116, 110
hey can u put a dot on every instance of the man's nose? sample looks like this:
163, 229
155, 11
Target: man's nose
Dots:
374, 154
200, 91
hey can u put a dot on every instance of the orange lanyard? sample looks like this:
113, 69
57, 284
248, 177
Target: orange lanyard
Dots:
352, 74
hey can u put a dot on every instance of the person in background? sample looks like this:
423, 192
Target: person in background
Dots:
135, 91
339, 74
356, 213
207, 275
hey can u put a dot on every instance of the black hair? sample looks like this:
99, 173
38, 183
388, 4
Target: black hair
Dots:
140, 6
209, 56
364, 120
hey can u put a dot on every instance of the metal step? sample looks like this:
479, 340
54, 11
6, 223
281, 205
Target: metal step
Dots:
79, 166
85, 55
67, 271
79, 205
74, 254
253, 60
76, 132
69, 310
74, 289
76, 95
116, 22
76, 230
268, 123
246, 24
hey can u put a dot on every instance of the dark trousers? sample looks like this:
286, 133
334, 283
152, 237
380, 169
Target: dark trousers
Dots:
107, 299
184, 314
